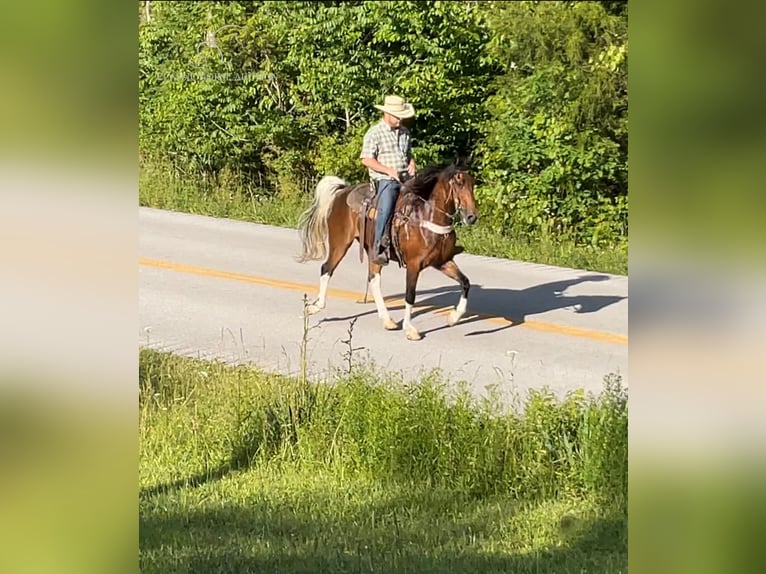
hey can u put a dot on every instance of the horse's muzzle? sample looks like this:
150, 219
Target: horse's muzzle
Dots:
470, 218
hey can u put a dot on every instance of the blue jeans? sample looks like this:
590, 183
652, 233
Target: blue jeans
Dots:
388, 191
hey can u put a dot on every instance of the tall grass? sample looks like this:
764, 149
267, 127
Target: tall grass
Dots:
561, 251
416, 433
232, 196
227, 195
244, 471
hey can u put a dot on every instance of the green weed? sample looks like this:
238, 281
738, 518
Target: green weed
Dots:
243, 471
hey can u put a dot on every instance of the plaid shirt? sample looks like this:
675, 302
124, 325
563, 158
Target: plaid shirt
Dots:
391, 147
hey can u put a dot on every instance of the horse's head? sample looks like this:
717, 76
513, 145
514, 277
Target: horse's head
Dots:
461, 192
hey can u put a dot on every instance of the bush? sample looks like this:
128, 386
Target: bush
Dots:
554, 156
281, 93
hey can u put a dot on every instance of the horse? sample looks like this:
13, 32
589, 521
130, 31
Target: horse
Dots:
422, 232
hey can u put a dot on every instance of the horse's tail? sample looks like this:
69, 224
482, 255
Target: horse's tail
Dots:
313, 222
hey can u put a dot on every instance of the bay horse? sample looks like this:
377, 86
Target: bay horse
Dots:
421, 228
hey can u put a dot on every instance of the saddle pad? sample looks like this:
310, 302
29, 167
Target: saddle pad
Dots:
358, 194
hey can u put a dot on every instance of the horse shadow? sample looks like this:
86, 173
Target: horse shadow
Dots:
512, 305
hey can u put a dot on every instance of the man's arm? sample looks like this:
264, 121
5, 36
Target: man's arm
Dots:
375, 165
370, 152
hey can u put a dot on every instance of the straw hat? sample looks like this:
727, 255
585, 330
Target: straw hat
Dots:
396, 106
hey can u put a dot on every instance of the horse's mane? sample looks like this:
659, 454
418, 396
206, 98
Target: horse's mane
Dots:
425, 180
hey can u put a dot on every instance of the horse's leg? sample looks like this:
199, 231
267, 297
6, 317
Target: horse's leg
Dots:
451, 270
374, 282
409, 300
324, 280
339, 242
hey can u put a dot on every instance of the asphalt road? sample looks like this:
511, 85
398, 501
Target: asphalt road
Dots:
234, 290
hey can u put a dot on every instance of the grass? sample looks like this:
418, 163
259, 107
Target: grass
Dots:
562, 252
244, 471
159, 188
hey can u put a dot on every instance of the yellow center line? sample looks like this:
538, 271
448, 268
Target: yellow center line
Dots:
356, 296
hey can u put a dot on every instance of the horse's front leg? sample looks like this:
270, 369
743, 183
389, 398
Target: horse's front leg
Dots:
451, 270
409, 300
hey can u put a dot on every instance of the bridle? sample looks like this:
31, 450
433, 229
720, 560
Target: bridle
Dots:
442, 229
451, 196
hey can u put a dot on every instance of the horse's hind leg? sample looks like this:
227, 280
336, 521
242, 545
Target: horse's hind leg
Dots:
339, 244
451, 270
374, 280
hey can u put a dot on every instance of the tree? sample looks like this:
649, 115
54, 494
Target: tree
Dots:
554, 155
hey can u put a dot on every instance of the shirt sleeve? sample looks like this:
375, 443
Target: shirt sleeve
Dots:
370, 146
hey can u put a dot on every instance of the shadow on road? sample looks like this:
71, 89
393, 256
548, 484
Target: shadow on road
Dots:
513, 305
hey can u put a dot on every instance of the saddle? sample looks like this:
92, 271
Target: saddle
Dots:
362, 194
363, 200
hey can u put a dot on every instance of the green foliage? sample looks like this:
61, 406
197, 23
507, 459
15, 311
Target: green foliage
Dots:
554, 159
242, 471
418, 433
295, 82
279, 93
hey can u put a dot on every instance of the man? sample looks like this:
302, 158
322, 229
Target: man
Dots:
386, 152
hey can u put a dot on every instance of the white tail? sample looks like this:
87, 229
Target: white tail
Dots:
313, 221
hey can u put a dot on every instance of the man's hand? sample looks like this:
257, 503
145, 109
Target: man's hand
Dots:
411, 168
375, 165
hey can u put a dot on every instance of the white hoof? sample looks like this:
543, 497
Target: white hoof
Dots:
453, 317
313, 308
390, 325
413, 334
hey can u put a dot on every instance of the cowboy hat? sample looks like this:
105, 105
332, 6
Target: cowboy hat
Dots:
396, 106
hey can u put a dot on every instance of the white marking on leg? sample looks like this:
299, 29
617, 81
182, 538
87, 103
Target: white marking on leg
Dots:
388, 323
462, 305
409, 328
459, 311
319, 302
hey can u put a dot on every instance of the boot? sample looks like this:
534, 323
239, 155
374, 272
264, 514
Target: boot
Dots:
381, 257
